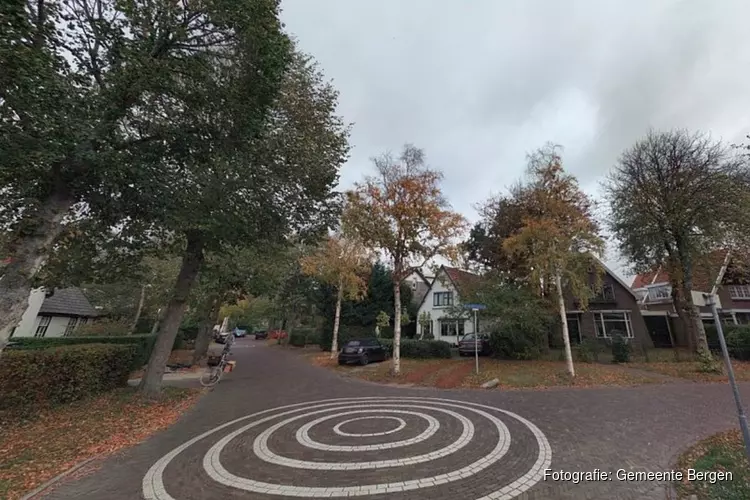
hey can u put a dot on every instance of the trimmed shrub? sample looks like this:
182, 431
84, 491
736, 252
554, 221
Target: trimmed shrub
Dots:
621, 349
104, 328
144, 344
738, 342
297, 339
420, 349
34, 378
513, 343
587, 351
313, 338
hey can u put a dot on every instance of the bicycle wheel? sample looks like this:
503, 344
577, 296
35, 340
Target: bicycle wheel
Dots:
212, 377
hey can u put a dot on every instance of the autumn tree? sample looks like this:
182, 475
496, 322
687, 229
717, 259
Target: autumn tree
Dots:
402, 213
560, 240
675, 197
100, 100
340, 261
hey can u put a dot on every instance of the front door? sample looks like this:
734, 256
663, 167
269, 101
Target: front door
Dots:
658, 329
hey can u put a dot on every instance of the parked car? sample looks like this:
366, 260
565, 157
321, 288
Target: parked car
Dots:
261, 334
239, 332
362, 351
469, 344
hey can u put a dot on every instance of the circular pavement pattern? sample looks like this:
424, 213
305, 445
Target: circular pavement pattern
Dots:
360, 447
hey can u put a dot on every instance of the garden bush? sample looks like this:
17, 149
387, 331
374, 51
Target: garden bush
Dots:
738, 342
104, 328
587, 351
621, 349
144, 344
420, 349
34, 378
512, 342
297, 339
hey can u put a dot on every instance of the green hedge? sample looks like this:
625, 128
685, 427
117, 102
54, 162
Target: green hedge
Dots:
348, 332
737, 338
144, 344
34, 378
420, 349
301, 337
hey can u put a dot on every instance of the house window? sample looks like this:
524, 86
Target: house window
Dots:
606, 294
441, 299
574, 327
41, 329
452, 328
739, 292
414, 285
660, 292
743, 318
72, 323
611, 323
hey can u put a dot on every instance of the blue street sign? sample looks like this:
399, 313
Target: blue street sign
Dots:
475, 307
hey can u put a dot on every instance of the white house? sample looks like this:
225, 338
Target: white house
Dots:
55, 313
419, 283
437, 310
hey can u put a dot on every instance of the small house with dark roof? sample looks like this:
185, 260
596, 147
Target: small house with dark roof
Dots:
54, 313
732, 294
419, 282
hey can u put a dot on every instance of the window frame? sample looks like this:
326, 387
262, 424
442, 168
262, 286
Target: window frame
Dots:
734, 289
660, 292
577, 318
437, 296
600, 329
41, 328
459, 327
71, 326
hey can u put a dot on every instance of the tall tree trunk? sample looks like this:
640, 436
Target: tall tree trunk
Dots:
336, 320
192, 260
565, 333
139, 310
27, 254
396, 361
205, 330
693, 312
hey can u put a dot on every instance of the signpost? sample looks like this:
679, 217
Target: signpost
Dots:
711, 301
475, 308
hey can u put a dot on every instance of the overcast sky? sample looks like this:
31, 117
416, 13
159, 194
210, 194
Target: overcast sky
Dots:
477, 84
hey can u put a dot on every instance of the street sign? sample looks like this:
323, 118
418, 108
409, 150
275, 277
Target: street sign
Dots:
475, 307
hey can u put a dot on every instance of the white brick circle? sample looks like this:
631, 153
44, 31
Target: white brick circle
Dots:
153, 482
303, 436
337, 427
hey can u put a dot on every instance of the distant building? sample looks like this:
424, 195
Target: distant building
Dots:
54, 313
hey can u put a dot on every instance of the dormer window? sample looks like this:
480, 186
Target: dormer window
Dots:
660, 292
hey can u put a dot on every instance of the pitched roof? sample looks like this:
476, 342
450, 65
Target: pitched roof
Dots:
705, 273
461, 278
645, 279
68, 302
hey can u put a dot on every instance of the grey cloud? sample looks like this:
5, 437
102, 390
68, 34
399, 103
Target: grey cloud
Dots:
479, 84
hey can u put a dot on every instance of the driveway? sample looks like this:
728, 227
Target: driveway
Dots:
279, 428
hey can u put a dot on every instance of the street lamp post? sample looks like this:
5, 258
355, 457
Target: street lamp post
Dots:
710, 300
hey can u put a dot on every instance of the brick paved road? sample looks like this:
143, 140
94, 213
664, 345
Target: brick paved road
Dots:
404, 443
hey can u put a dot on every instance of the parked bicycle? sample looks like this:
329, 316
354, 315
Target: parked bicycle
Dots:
212, 377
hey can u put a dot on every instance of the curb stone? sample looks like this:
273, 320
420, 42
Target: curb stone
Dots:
45, 486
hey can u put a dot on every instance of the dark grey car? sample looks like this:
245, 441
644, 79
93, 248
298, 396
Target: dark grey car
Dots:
362, 351
469, 344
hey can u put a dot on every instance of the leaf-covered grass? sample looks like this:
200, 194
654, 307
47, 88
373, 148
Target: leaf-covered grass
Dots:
36, 450
543, 374
721, 453
454, 373
690, 371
